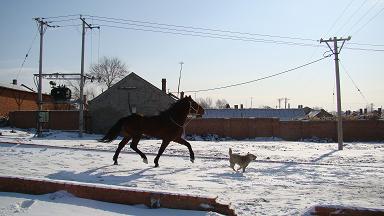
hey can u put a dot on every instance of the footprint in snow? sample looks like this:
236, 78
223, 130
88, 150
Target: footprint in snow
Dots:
27, 203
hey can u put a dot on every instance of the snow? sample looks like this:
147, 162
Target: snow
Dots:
287, 178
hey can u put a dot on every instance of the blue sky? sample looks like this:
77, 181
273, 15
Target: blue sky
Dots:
212, 62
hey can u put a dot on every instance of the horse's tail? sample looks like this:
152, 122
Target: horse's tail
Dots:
230, 151
113, 132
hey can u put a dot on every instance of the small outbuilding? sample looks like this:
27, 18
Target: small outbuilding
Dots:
130, 95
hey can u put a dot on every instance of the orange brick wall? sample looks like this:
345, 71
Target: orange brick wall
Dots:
353, 130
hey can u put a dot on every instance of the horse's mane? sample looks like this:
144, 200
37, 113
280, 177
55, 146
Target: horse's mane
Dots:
171, 107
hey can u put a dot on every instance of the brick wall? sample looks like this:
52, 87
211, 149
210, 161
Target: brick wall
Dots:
238, 128
353, 130
58, 120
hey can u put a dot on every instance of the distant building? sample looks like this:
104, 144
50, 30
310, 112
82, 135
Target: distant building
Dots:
319, 114
282, 114
130, 95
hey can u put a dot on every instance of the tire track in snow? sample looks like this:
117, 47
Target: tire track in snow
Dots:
34, 145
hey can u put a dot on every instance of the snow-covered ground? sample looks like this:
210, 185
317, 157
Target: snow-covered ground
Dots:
286, 179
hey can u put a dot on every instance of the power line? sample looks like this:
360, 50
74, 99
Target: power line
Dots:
366, 44
198, 32
155, 27
205, 29
350, 18
225, 37
341, 15
379, 12
364, 49
354, 83
26, 56
363, 16
62, 16
259, 79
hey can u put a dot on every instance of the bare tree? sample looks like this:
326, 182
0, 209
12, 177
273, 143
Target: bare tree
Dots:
221, 104
89, 90
205, 102
109, 70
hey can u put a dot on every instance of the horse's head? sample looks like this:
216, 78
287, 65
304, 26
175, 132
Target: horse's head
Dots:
195, 108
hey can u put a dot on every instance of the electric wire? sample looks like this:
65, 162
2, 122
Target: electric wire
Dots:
225, 37
196, 32
363, 16
354, 83
199, 28
339, 17
26, 55
364, 49
63, 16
350, 18
372, 18
366, 44
259, 79
208, 32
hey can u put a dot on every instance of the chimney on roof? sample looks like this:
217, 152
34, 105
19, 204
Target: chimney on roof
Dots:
236, 106
164, 85
181, 95
14, 81
241, 106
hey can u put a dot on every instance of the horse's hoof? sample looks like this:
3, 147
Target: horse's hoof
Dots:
145, 160
115, 163
156, 165
192, 160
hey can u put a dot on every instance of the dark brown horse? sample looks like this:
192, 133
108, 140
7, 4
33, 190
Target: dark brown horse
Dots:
168, 125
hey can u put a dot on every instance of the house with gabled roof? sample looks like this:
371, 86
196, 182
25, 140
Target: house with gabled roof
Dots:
130, 95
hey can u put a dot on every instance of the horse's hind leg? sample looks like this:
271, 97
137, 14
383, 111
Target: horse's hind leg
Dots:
161, 150
186, 143
121, 146
134, 143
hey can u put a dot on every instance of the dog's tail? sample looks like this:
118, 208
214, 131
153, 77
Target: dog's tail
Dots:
230, 151
113, 132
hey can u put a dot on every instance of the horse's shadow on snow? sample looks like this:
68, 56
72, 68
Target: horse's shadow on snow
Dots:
99, 175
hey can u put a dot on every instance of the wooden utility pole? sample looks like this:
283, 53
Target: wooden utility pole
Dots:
82, 77
336, 52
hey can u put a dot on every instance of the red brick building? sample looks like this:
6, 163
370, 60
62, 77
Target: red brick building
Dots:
15, 98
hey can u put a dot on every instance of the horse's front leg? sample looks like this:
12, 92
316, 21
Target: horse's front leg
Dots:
121, 146
186, 143
161, 150
134, 143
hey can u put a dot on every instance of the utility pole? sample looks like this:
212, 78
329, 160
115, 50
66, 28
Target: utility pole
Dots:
280, 99
41, 24
285, 102
178, 86
336, 52
82, 77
